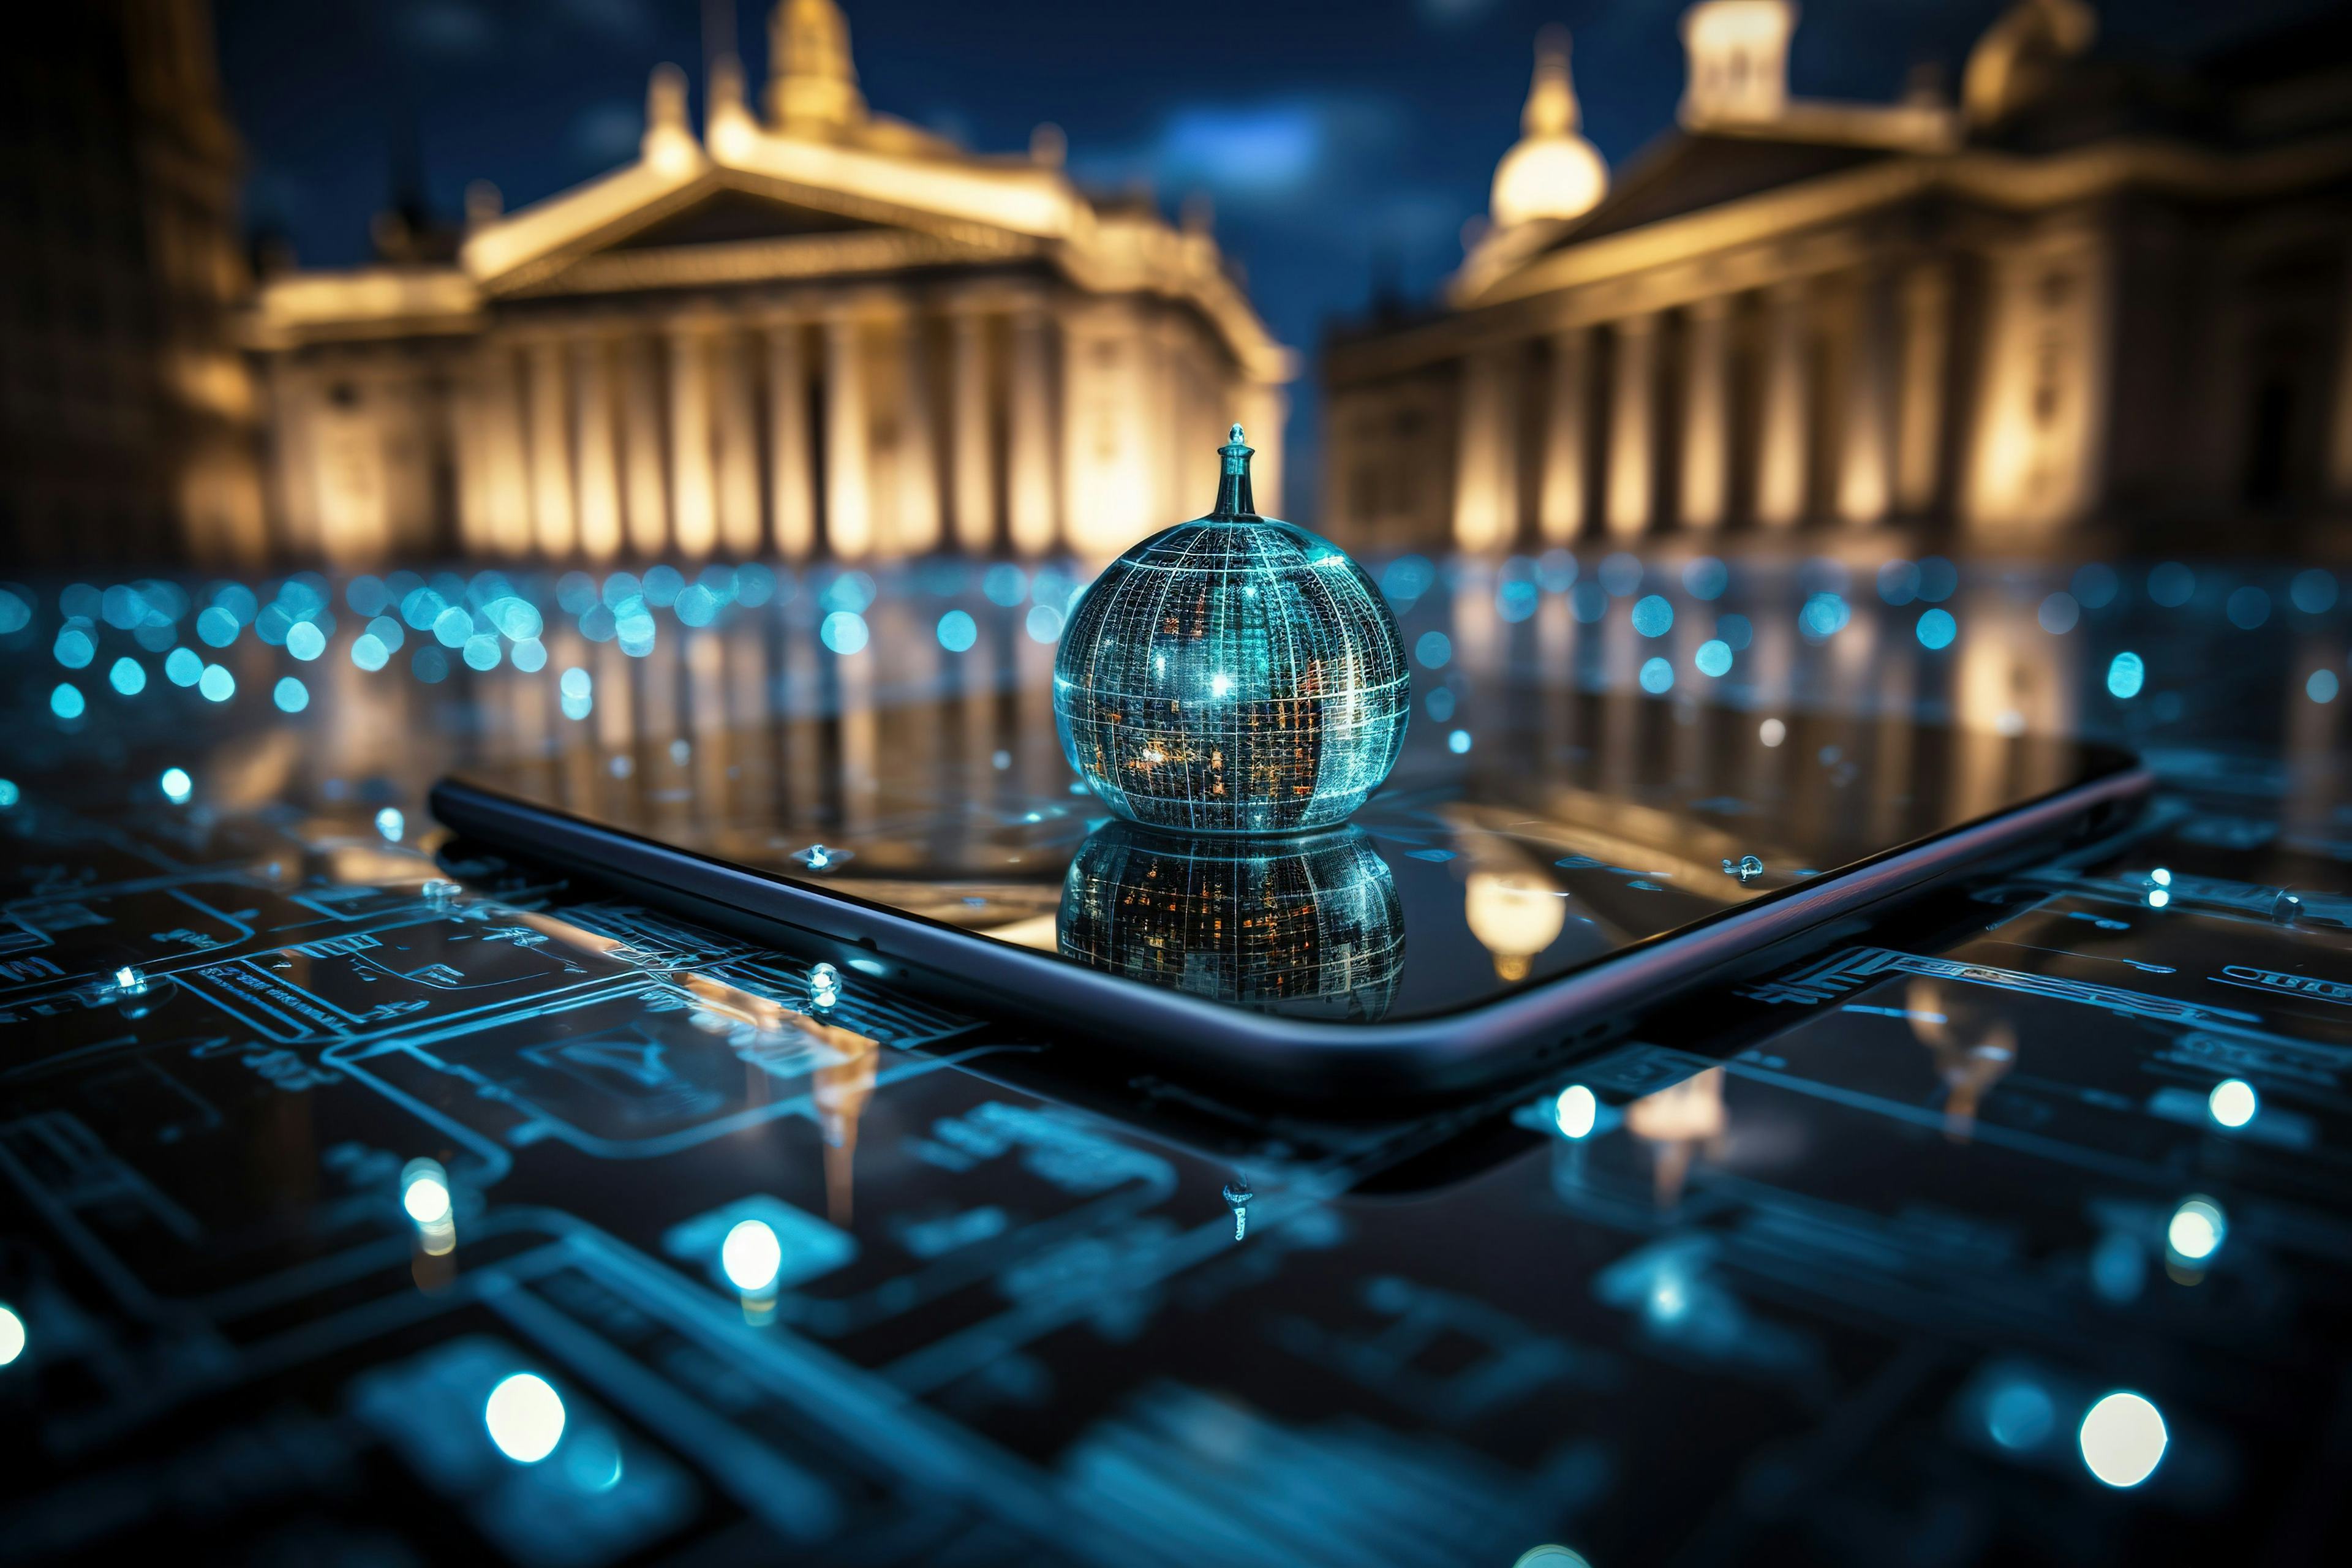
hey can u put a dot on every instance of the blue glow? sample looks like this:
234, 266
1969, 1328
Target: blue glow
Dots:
181, 667
1735, 631
1898, 583
662, 586
1588, 601
2196, 1229
516, 620
430, 664
129, 676
1824, 616
291, 694
66, 701
2096, 586
1657, 676
852, 591
390, 822
2170, 584
2248, 607
452, 626
305, 641
958, 631
697, 605
216, 627
1652, 617
2322, 686
2313, 591
9, 793
388, 632
2123, 1439
2126, 675
1936, 628
576, 707
525, 1417
366, 594
1555, 569
368, 651
1004, 584
1440, 704
620, 588
177, 785
75, 648
2021, 1416
482, 651
755, 585
1408, 577
575, 682
1621, 574
216, 684
1516, 601
1705, 578
844, 632
14, 614
1939, 579
1576, 1110
1043, 623
1458, 743
530, 656
2232, 1103
1714, 657
576, 592
2059, 613
1432, 650
421, 608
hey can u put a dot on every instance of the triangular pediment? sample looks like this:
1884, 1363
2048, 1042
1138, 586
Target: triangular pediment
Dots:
727, 215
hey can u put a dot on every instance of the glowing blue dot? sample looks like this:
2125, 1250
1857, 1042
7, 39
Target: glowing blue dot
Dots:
368, 651
391, 823
2096, 586
305, 641
75, 648
2313, 591
482, 651
1705, 578
387, 631
2059, 613
575, 682
430, 664
1458, 741
1936, 628
1044, 623
2021, 1416
66, 701
177, 785
525, 1416
452, 626
576, 707
216, 683
696, 605
520, 619
2247, 608
181, 667
2233, 1102
530, 656
1898, 583
291, 694
1735, 631
9, 793
843, 631
576, 592
1652, 617
620, 588
1657, 676
1824, 616
1006, 585
1588, 601
1440, 703
1714, 657
1621, 574
1939, 579
958, 631
2170, 584
129, 676
216, 627
663, 585
2322, 686
2126, 675
2123, 1439
1576, 1110
14, 614
1515, 601
1433, 650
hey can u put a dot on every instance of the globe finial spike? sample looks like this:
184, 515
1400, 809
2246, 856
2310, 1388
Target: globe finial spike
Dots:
1233, 499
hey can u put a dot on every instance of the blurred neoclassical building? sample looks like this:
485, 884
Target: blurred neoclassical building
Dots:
813, 329
2087, 300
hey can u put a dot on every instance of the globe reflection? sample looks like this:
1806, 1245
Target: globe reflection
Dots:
1307, 928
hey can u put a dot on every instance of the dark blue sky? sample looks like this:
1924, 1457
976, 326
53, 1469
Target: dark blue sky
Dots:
1328, 136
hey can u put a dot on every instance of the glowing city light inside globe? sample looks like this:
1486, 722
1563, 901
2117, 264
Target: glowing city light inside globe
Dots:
2123, 1439
525, 1415
2233, 1102
2196, 1230
1234, 674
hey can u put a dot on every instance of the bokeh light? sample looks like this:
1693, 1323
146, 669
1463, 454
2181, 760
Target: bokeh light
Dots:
2123, 1438
752, 1256
525, 1415
2233, 1102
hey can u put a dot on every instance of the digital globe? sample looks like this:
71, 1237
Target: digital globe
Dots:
1232, 674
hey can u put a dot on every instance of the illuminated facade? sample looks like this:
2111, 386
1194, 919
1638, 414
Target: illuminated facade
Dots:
126, 415
2078, 303
813, 329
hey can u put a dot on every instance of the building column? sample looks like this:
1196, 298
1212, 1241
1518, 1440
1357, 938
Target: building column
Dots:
791, 498
1919, 433
509, 475
1559, 509
918, 497
551, 452
1782, 435
1706, 414
599, 477
849, 492
1485, 473
1034, 520
694, 515
645, 492
736, 426
973, 461
1863, 479
1632, 427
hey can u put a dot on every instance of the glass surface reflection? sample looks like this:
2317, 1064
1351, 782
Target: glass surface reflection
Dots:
1307, 928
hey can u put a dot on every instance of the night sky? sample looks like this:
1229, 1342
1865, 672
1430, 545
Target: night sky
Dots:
1335, 141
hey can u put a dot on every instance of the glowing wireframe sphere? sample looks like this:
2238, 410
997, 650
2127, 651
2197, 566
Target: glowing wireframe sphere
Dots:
1309, 927
1234, 674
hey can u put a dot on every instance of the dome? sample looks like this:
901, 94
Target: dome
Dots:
1552, 171
1234, 674
1309, 927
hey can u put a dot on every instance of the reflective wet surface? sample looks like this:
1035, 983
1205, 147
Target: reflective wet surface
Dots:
368, 1198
